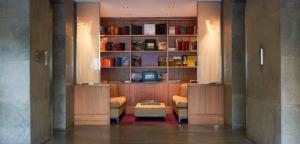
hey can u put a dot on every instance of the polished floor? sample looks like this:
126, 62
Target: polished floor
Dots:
149, 134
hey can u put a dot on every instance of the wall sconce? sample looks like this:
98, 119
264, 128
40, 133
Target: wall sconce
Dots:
261, 56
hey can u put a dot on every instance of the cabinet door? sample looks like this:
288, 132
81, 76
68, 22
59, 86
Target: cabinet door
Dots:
214, 100
196, 98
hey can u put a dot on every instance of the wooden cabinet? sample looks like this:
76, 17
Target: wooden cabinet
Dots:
91, 105
205, 104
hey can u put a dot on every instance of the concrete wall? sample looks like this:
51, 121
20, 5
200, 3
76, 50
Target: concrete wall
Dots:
290, 70
14, 72
234, 62
263, 83
63, 64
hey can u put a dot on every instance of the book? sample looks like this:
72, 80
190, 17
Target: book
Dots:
149, 29
160, 29
177, 30
171, 30
136, 30
136, 61
162, 61
191, 61
182, 30
103, 44
125, 61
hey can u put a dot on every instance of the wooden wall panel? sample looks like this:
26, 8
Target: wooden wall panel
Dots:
173, 90
124, 90
162, 93
159, 91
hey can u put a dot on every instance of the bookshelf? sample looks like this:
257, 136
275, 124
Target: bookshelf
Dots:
169, 71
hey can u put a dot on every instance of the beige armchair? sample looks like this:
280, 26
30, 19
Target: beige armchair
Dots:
180, 103
117, 103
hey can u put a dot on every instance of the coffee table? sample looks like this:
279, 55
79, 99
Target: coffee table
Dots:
148, 110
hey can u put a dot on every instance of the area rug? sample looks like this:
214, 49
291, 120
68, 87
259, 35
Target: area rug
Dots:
129, 119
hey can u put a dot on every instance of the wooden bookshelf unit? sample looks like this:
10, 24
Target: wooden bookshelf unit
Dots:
113, 30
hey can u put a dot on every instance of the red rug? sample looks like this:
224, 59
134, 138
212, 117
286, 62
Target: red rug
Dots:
130, 119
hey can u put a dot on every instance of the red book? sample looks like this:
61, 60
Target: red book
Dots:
177, 30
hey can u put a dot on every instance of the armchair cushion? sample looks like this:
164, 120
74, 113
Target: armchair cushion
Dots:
182, 103
116, 102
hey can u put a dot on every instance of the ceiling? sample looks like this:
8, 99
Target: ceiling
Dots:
146, 8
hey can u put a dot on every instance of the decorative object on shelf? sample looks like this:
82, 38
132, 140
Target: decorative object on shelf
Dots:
149, 29
150, 44
136, 30
175, 61
171, 30
184, 60
162, 76
172, 49
162, 61
162, 46
136, 77
136, 61
150, 76
138, 45
150, 60
161, 29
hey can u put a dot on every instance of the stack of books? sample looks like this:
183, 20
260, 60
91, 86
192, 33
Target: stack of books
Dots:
110, 46
182, 30
182, 45
115, 30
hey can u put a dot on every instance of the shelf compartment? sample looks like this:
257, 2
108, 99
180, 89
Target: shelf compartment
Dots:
148, 51
183, 35
150, 67
115, 67
193, 51
115, 51
182, 67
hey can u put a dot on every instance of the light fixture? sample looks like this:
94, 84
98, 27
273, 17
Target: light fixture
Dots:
261, 56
